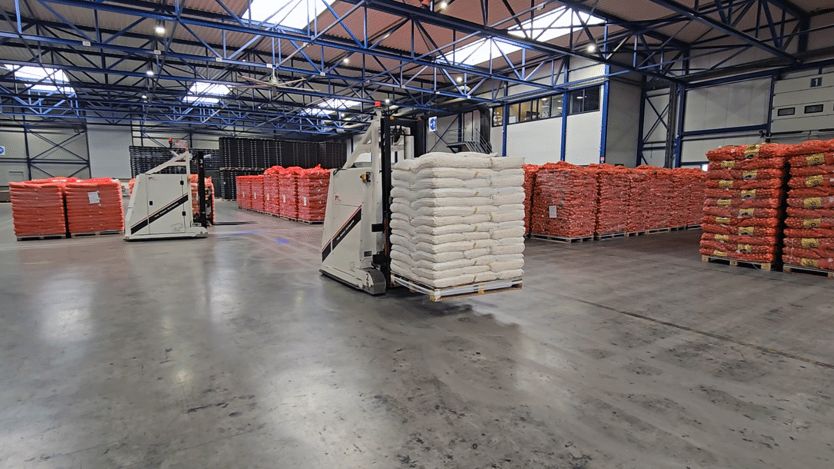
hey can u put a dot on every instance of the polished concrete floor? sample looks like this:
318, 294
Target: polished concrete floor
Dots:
233, 351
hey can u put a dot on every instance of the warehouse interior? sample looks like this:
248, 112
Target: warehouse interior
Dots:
647, 343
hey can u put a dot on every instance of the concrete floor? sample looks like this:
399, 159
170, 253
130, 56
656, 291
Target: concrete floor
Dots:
233, 351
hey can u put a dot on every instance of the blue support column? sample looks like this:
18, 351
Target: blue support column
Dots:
641, 123
565, 112
679, 127
603, 142
506, 122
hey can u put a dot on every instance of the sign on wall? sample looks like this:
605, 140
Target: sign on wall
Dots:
2, 151
432, 124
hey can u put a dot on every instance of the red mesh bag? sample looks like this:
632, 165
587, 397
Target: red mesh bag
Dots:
744, 185
288, 190
810, 213
272, 193
808, 233
810, 252
819, 180
746, 174
755, 163
746, 152
312, 193
612, 209
805, 171
564, 201
697, 188
38, 208
650, 202
639, 201
810, 223
806, 192
743, 203
737, 255
739, 247
742, 213
826, 244
730, 221
94, 205
740, 239
244, 192
744, 193
809, 147
815, 159
822, 264
257, 188
757, 231
529, 180
811, 202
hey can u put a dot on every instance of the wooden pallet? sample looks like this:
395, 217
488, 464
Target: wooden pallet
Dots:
457, 292
33, 238
602, 237
310, 222
650, 232
693, 227
95, 234
735, 262
807, 270
561, 239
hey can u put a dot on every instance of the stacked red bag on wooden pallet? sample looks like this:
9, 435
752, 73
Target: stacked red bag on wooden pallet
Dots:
272, 194
195, 201
743, 205
697, 194
256, 187
94, 205
529, 181
244, 192
38, 207
312, 193
288, 189
612, 210
564, 201
809, 232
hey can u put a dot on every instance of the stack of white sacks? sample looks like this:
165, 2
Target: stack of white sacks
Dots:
457, 219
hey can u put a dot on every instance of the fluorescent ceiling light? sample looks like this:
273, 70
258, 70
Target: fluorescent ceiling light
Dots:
330, 106
543, 28
202, 92
290, 13
47, 78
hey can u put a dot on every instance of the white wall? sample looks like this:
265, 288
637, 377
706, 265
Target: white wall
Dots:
623, 123
732, 105
538, 142
42, 144
109, 152
583, 138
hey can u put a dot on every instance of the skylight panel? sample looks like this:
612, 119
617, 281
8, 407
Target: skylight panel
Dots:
290, 13
542, 28
330, 106
202, 92
47, 79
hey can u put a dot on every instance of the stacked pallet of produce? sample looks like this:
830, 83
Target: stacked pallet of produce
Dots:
809, 232
209, 196
288, 190
612, 213
640, 202
38, 208
743, 206
457, 219
530, 171
313, 184
256, 187
94, 206
564, 201
244, 192
697, 187
272, 193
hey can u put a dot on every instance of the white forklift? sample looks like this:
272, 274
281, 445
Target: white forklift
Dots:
160, 205
356, 240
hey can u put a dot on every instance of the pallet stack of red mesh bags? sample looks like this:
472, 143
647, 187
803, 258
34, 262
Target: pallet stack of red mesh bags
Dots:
38, 207
564, 201
744, 199
256, 187
288, 190
195, 201
697, 194
809, 226
612, 209
312, 193
272, 194
94, 205
529, 181
244, 192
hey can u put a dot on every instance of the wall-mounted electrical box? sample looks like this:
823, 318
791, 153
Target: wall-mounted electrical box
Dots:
803, 104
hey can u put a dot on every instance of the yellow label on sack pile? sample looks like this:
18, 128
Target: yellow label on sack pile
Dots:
751, 151
810, 262
746, 212
812, 202
815, 159
810, 243
745, 248
812, 181
721, 237
750, 174
728, 164
748, 194
813, 223
723, 202
746, 230
719, 254
723, 220
725, 183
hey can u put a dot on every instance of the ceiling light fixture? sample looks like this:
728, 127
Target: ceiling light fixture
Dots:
159, 29
459, 79
387, 100
592, 48
149, 72
347, 61
144, 96
443, 5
